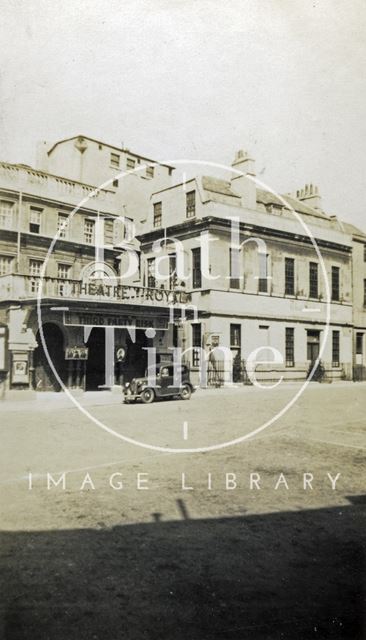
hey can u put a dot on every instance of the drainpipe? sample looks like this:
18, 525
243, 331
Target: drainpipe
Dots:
19, 229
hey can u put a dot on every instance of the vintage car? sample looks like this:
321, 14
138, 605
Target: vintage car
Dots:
160, 384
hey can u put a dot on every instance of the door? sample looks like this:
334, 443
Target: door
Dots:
313, 345
44, 376
313, 349
136, 356
95, 366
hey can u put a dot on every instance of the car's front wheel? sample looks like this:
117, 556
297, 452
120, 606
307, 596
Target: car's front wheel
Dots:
185, 392
147, 396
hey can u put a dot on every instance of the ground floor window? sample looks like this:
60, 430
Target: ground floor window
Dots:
359, 343
235, 335
290, 347
196, 344
335, 349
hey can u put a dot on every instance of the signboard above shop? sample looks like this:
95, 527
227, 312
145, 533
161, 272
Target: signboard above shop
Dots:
121, 320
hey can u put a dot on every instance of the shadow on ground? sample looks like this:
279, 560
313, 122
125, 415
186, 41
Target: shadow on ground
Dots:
294, 575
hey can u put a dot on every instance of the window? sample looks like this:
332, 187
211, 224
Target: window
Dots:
35, 267
359, 344
128, 230
151, 273
313, 280
263, 273
335, 348
115, 183
290, 347
149, 172
158, 213
130, 163
63, 271
191, 204
6, 264
335, 283
62, 225
289, 277
115, 160
196, 268
108, 230
234, 255
89, 231
35, 220
364, 293
172, 271
235, 335
196, 344
6, 214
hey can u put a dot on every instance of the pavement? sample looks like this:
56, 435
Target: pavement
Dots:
46, 400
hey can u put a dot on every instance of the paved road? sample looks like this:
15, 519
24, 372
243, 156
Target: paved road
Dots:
103, 558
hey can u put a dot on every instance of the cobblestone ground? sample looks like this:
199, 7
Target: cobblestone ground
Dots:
213, 559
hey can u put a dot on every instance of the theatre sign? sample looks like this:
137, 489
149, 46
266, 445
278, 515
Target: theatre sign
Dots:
132, 294
100, 290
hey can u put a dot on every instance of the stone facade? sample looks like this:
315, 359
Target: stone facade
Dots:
104, 237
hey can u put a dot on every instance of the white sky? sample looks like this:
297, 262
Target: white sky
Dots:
196, 79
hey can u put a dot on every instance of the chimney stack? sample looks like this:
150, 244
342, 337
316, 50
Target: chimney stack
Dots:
41, 155
242, 182
310, 195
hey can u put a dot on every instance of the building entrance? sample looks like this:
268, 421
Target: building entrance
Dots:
136, 357
44, 377
132, 366
95, 366
313, 345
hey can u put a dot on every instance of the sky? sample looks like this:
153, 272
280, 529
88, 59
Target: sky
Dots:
197, 80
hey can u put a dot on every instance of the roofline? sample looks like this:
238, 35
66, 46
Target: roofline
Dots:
111, 146
174, 186
53, 175
212, 222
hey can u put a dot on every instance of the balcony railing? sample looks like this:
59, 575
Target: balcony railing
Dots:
44, 184
106, 290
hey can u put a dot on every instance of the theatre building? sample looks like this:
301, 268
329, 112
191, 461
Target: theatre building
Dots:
104, 254
66, 313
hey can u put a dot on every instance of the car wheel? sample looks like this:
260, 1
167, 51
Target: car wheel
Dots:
147, 396
185, 392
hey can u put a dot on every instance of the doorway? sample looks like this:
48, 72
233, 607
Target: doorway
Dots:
44, 377
136, 358
95, 366
313, 345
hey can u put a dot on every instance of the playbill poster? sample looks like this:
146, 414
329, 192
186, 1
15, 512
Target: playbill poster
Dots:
182, 320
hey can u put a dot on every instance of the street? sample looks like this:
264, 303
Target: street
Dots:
260, 540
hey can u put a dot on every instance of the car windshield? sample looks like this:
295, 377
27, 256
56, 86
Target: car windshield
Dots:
167, 369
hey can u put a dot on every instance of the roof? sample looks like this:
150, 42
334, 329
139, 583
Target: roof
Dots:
354, 231
216, 185
111, 146
266, 197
